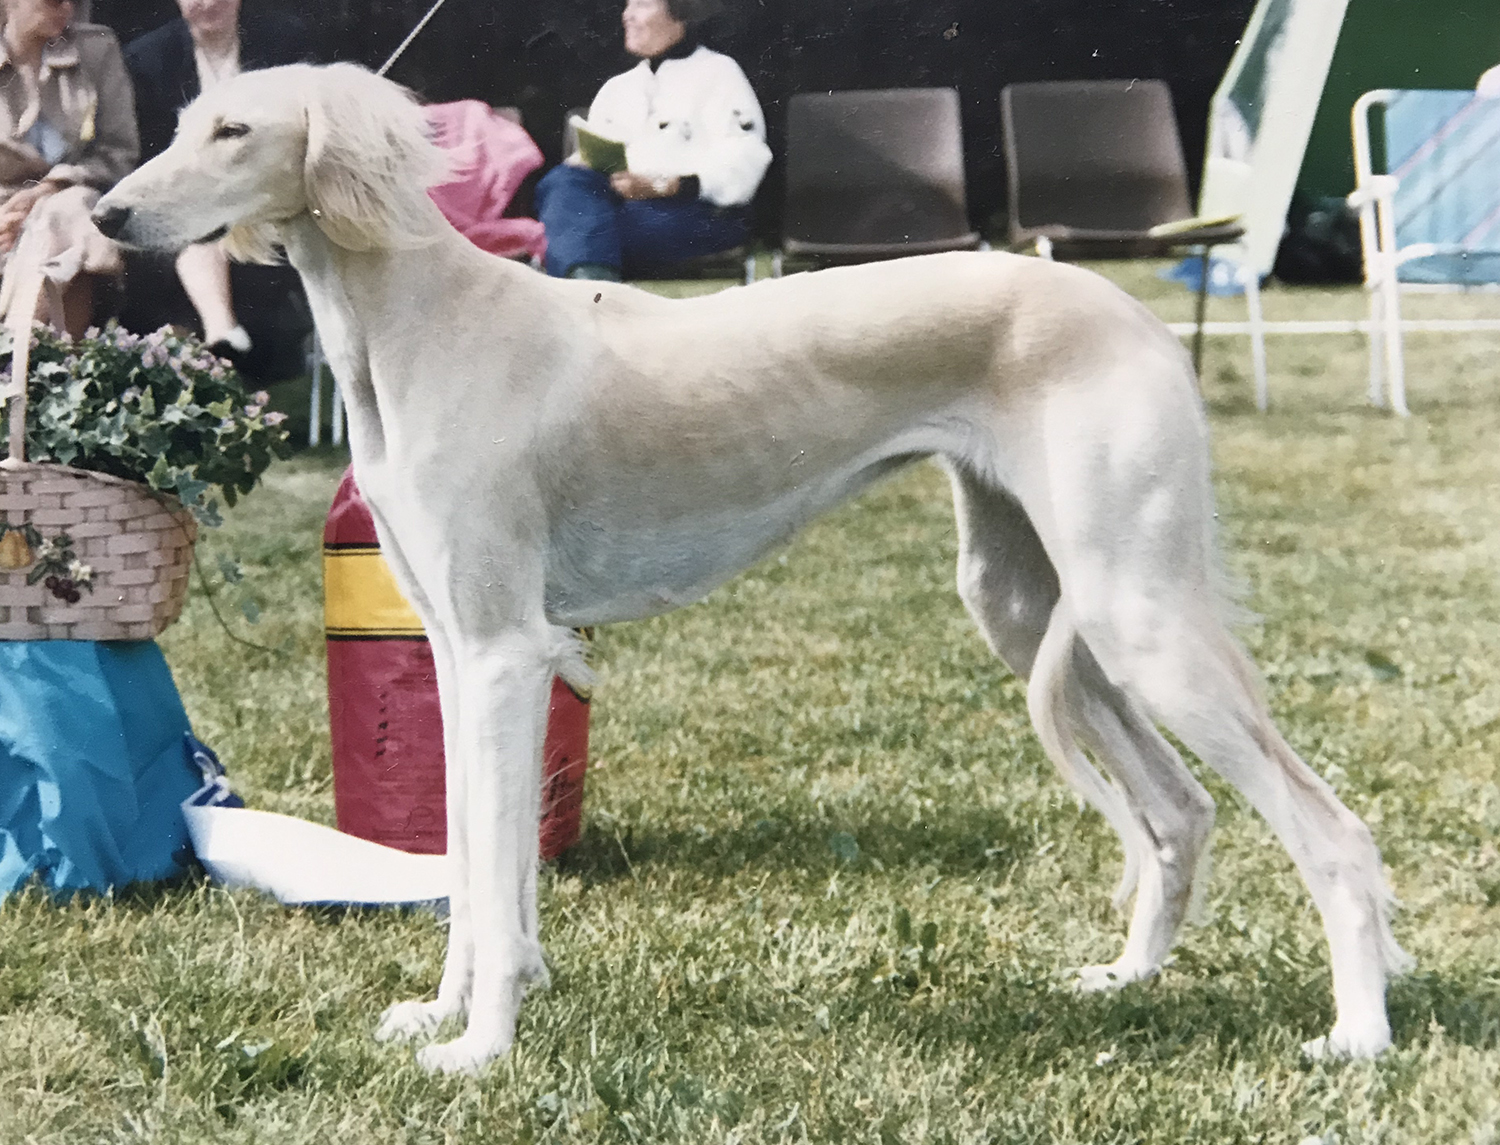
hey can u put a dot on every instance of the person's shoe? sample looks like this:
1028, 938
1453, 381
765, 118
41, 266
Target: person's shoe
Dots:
594, 272
233, 345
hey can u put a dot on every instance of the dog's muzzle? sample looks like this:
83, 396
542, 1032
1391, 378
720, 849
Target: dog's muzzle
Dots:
110, 219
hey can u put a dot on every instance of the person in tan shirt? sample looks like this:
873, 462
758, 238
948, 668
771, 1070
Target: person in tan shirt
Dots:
67, 134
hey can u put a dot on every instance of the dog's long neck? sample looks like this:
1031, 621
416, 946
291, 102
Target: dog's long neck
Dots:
341, 285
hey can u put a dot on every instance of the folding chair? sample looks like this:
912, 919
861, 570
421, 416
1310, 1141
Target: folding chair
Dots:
873, 175
1096, 171
731, 263
1432, 220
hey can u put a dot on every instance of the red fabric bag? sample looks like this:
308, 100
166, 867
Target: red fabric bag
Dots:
386, 724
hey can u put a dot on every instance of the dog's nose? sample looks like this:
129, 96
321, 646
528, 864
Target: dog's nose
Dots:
110, 219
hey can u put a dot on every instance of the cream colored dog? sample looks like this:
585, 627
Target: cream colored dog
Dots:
541, 454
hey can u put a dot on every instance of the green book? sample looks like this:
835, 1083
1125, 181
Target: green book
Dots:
598, 151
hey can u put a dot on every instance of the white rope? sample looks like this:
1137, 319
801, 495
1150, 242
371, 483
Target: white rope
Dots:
412, 35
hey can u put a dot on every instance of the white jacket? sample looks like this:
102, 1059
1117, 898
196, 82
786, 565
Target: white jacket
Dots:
691, 116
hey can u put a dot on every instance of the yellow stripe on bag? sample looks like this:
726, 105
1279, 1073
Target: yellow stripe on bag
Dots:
360, 597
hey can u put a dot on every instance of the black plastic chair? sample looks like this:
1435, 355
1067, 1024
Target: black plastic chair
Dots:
1096, 171
874, 175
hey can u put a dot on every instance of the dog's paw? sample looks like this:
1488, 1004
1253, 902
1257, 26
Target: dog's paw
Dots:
1348, 1043
1095, 979
408, 1020
466, 1054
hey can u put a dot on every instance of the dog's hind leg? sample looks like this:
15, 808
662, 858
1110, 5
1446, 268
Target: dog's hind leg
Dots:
1161, 813
1193, 678
504, 684
1172, 809
1130, 527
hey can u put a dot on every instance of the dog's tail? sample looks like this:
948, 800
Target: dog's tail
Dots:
1046, 701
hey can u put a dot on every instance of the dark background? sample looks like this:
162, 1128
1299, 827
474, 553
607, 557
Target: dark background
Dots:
547, 57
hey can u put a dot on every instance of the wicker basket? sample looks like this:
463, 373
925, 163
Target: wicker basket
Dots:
83, 556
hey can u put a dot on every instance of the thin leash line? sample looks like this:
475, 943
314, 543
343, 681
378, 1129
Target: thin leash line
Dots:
410, 36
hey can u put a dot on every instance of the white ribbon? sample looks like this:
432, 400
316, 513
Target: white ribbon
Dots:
299, 862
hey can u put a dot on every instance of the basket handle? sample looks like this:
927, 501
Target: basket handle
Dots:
26, 276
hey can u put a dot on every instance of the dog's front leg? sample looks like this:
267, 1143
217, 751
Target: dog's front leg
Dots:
417, 1018
503, 688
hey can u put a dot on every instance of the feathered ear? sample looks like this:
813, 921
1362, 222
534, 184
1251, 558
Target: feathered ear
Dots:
252, 242
369, 162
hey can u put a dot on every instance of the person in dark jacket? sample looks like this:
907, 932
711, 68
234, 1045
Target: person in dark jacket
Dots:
170, 66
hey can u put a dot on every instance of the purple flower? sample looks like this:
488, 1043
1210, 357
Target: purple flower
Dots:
275, 417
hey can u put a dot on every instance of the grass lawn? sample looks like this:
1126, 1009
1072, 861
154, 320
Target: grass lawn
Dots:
828, 880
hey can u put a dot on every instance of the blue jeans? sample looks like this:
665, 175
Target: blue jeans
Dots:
588, 223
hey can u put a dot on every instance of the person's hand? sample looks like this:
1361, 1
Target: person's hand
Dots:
628, 185
28, 197
13, 214
15, 210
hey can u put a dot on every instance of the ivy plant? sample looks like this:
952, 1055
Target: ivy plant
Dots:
158, 408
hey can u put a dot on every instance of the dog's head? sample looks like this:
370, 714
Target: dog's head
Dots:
348, 148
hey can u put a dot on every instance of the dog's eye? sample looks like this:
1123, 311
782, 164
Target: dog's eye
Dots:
230, 131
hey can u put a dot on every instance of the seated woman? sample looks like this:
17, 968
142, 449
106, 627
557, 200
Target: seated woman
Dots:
67, 134
695, 146
171, 65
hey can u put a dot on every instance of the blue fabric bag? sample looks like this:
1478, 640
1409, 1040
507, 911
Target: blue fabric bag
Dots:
92, 766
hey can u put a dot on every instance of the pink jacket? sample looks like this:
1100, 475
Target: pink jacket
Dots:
490, 156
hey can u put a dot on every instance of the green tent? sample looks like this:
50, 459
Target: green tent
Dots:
1400, 44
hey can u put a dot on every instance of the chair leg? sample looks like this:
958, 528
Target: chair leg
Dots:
1395, 363
1201, 314
749, 268
315, 413
1377, 350
336, 431
1043, 247
776, 263
1250, 280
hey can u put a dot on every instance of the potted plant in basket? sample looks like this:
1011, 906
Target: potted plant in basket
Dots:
126, 443
125, 435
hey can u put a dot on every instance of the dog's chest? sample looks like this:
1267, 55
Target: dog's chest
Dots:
618, 559
598, 574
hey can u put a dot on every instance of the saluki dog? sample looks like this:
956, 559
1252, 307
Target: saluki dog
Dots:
541, 454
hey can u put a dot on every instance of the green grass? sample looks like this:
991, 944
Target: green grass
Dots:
828, 879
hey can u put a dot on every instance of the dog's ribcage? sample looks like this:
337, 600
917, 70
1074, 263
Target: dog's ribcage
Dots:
774, 417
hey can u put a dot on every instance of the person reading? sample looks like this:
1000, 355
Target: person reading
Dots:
669, 157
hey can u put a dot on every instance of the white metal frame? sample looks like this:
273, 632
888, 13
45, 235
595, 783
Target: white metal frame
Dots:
1374, 198
315, 410
1254, 178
